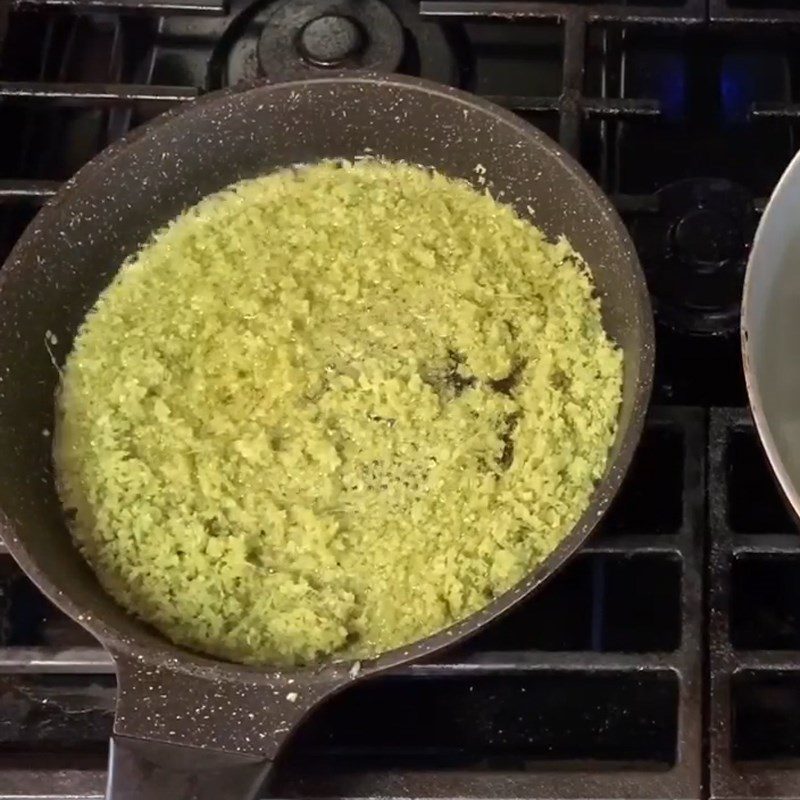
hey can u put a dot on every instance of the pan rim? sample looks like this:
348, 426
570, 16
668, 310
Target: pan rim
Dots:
183, 659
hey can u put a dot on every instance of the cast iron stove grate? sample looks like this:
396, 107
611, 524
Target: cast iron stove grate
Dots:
685, 112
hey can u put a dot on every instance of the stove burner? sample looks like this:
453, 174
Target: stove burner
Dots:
328, 41
694, 252
304, 37
291, 39
707, 237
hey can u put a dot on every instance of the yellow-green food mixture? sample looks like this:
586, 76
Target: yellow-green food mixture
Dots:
333, 410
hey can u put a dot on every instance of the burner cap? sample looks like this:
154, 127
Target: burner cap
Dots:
329, 40
707, 237
290, 39
694, 251
304, 37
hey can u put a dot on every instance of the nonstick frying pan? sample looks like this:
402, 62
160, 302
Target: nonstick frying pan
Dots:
771, 332
188, 726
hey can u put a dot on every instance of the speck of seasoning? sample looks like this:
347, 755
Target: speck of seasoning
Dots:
292, 697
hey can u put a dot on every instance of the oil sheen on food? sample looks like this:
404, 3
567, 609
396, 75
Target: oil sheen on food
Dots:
333, 410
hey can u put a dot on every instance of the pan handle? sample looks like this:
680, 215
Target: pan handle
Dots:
149, 770
187, 731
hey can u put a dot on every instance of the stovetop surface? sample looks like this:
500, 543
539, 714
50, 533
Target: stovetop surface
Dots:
664, 661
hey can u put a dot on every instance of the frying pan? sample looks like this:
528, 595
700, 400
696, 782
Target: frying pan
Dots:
188, 726
771, 332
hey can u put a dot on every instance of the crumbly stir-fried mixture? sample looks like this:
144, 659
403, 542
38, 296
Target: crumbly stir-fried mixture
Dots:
333, 410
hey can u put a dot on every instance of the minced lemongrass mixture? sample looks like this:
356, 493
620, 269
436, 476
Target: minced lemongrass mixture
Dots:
333, 410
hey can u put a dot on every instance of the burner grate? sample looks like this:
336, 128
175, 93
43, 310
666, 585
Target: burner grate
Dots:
194, 7
754, 12
574, 18
754, 637
656, 664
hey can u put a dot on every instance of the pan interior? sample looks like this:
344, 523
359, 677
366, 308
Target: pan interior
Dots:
73, 248
771, 325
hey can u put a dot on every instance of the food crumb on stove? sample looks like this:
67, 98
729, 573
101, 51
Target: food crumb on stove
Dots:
333, 410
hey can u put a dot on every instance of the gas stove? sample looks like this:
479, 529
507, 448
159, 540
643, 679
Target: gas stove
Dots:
664, 660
